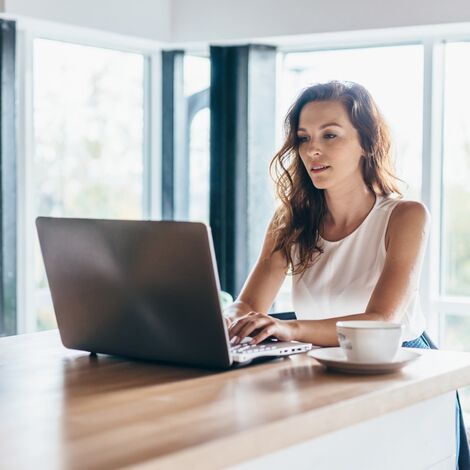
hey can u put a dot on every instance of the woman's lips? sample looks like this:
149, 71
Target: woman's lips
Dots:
319, 170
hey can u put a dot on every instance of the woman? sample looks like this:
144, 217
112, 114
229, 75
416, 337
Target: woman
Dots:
352, 245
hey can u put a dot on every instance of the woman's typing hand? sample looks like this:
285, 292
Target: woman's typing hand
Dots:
236, 311
261, 326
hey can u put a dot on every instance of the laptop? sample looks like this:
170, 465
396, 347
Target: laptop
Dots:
142, 289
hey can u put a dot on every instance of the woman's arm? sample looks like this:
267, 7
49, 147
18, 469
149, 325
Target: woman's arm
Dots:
405, 241
263, 283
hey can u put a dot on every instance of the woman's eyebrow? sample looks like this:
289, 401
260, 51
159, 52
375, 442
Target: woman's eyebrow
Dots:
328, 124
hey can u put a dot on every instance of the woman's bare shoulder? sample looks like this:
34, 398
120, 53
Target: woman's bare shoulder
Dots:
410, 211
409, 219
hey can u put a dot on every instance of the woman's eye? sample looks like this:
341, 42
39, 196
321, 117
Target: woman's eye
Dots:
330, 136
301, 138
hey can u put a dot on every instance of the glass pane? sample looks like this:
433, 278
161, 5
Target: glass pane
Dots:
196, 80
455, 332
455, 335
393, 75
456, 171
88, 140
197, 74
199, 164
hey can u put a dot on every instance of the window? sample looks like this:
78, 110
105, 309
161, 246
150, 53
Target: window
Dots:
388, 73
456, 173
196, 90
454, 311
88, 143
199, 166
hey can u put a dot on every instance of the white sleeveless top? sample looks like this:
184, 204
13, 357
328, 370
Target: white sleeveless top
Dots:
342, 278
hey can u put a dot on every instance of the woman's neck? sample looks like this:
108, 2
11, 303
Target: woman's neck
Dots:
346, 208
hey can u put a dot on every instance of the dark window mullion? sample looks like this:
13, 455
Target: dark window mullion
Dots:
242, 141
175, 178
8, 190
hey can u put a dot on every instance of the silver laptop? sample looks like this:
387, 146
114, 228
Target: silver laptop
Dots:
142, 289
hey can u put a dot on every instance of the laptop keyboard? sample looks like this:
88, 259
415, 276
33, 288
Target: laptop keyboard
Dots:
245, 352
256, 348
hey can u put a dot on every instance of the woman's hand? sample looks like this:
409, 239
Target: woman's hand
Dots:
236, 311
264, 326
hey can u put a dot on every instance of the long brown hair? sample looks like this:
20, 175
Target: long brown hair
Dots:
298, 219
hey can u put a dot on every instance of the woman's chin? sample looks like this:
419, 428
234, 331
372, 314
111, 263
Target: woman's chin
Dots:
320, 184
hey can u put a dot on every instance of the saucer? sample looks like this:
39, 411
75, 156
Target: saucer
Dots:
335, 359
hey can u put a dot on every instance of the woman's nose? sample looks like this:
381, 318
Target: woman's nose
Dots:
313, 148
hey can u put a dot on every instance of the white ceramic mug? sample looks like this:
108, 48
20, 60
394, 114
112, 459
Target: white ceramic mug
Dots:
369, 341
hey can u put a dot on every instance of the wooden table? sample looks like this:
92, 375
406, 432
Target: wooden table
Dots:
67, 409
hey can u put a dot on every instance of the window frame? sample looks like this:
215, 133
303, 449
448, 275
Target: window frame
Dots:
195, 103
27, 31
435, 304
431, 37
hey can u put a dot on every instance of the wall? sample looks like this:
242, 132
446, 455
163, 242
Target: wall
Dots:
183, 21
212, 20
147, 19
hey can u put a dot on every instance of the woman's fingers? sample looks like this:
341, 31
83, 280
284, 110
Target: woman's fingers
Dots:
247, 325
250, 326
240, 324
260, 327
235, 326
263, 334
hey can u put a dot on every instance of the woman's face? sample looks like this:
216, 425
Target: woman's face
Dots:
329, 145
